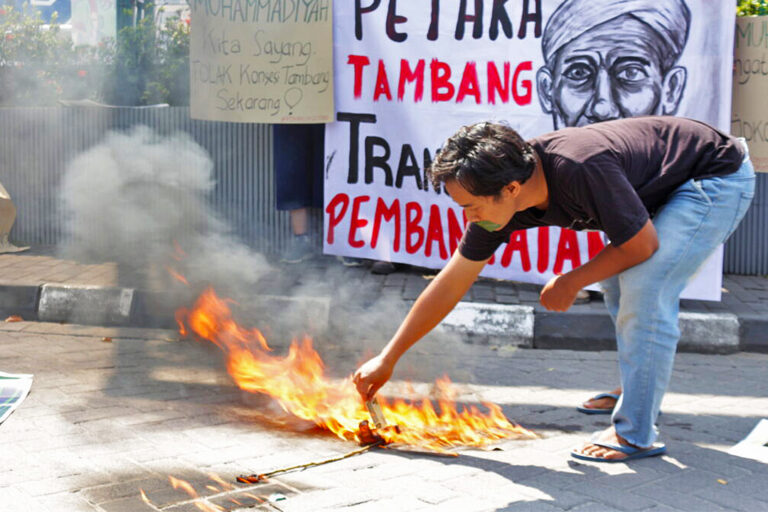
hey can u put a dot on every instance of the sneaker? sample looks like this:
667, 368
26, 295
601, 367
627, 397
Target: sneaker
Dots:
582, 297
299, 249
350, 262
383, 268
6, 246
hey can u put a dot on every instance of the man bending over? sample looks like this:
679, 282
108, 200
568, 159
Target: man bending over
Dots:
665, 190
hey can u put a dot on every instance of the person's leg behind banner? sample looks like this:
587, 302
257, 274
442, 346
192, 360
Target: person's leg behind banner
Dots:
299, 162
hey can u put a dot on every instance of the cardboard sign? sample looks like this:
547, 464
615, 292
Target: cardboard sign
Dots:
750, 87
264, 61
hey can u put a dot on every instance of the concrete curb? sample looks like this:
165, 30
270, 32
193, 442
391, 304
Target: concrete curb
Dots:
753, 333
19, 300
699, 332
511, 323
90, 305
578, 330
709, 332
505, 324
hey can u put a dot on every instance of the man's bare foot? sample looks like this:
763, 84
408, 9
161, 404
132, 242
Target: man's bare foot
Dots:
607, 436
605, 403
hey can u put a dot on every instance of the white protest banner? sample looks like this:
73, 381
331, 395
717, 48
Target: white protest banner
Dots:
261, 61
750, 87
409, 74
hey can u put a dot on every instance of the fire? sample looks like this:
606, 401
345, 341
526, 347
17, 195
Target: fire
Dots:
177, 276
144, 497
297, 382
197, 501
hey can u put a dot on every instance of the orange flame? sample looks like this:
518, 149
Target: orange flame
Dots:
199, 502
298, 384
183, 485
224, 485
178, 252
177, 276
144, 497
187, 487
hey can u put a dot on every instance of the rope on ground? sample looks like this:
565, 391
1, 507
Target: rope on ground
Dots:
260, 477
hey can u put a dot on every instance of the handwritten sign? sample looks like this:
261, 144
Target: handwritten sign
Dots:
264, 61
750, 83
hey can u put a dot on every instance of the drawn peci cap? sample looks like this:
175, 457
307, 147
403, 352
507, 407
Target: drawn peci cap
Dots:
670, 19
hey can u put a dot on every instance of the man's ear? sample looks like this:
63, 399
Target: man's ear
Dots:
514, 188
544, 88
672, 90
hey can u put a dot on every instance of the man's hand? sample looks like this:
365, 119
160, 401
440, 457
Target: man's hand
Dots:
436, 301
372, 375
558, 294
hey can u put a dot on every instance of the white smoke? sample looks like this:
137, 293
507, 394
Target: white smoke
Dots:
130, 197
137, 196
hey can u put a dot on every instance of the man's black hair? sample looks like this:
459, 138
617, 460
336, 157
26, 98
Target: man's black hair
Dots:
483, 158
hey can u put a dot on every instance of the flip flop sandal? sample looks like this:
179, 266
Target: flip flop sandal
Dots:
630, 451
592, 410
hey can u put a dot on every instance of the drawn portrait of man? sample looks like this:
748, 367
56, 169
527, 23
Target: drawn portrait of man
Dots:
611, 59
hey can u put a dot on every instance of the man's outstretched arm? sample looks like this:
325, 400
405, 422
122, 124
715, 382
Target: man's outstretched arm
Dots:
434, 303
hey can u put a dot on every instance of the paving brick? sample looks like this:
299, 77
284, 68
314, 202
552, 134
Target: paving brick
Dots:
330, 499
15, 499
65, 502
640, 475
689, 479
533, 506
605, 493
729, 500
679, 499
483, 292
132, 504
507, 299
378, 505
123, 489
45, 485
594, 507
395, 280
752, 485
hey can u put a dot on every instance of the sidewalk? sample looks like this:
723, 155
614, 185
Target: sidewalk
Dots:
39, 286
106, 419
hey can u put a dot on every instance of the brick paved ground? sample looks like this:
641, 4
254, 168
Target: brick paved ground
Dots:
105, 419
40, 265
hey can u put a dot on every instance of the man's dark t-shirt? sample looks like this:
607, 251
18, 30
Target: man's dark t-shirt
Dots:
613, 176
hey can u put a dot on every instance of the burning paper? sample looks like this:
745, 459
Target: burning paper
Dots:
298, 384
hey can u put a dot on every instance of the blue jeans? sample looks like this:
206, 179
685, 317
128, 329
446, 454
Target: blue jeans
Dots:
644, 300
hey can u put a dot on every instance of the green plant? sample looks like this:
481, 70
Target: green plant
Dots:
36, 62
170, 83
144, 65
150, 64
752, 8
